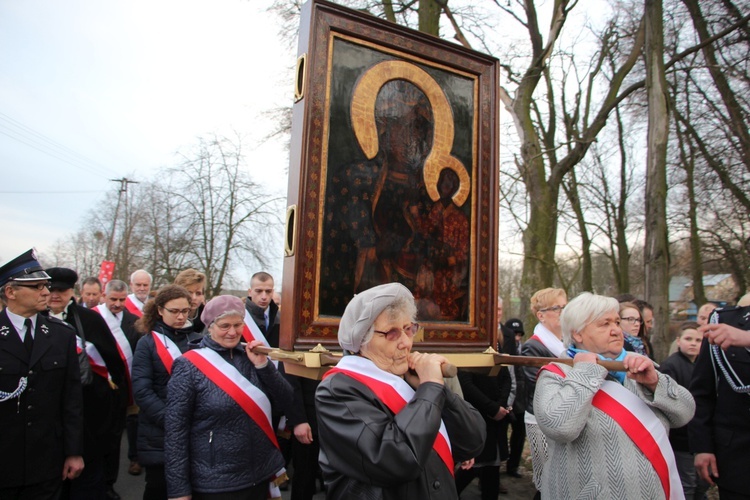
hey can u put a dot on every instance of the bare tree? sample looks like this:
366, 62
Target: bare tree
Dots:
231, 217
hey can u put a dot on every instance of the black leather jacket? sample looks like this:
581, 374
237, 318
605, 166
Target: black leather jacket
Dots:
368, 452
534, 349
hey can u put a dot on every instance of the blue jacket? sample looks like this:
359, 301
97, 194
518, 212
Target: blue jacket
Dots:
212, 445
150, 379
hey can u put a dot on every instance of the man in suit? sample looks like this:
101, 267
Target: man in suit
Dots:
105, 393
262, 308
121, 324
41, 415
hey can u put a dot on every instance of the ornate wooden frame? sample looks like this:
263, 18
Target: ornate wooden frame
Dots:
341, 52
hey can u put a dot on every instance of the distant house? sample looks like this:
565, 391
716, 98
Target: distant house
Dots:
719, 288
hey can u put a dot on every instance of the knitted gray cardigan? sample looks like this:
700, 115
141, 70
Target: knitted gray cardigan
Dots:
590, 456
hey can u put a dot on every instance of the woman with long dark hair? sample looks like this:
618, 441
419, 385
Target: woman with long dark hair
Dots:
166, 332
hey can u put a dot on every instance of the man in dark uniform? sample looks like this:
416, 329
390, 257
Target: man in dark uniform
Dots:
105, 397
41, 415
719, 434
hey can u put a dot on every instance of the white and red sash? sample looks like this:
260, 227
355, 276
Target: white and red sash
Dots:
96, 361
249, 397
123, 345
252, 332
548, 340
166, 349
642, 427
132, 306
394, 392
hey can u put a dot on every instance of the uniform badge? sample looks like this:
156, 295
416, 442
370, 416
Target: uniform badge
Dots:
4, 331
45, 330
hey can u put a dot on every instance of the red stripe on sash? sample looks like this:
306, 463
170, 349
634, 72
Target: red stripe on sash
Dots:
396, 403
246, 334
161, 351
238, 395
637, 432
130, 306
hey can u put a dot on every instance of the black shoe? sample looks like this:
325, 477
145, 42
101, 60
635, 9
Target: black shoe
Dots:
514, 473
112, 494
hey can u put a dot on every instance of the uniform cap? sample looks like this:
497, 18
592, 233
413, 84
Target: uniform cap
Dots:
25, 267
62, 278
364, 309
220, 305
515, 324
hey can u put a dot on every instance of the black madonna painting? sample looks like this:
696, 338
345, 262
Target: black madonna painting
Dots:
398, 192
392, 178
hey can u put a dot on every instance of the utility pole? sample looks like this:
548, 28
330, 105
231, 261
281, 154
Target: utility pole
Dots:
122, 193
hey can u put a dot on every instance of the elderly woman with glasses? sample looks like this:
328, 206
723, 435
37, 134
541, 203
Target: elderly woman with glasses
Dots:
607, 431
547, 305
220, 442
388, 426
166, 332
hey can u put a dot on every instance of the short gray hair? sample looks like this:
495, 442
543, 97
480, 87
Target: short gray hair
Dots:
115, 286
223, 315
150, 278
402, 305
583, 310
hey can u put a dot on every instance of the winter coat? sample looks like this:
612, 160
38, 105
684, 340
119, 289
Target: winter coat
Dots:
535, 349
590, 455
150, 378
366, 451
212, 445
680, 368
487, 394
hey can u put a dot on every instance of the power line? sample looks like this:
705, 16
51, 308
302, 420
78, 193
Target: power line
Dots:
35, 140
49, 192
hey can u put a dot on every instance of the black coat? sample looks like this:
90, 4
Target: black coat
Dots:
368, 452
680, 368
150, 379
721, 425
487, 394
212, 445
535, 349
103, 406
45, 425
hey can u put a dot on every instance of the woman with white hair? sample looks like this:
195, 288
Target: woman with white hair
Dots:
607, 431
388, 426
220, 443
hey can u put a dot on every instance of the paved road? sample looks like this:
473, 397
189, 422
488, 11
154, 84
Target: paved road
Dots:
131, 487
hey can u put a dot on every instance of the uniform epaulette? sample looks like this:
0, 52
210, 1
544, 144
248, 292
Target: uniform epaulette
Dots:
735, 316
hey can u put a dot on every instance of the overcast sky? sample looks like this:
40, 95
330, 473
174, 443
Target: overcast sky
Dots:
93, 90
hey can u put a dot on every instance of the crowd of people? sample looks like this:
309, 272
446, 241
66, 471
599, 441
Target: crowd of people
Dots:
208, 415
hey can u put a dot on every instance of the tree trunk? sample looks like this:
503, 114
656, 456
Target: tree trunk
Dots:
656, 252
429, 16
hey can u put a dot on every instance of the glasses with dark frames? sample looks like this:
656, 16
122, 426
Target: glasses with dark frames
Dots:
634, 321
37, 286
395, 333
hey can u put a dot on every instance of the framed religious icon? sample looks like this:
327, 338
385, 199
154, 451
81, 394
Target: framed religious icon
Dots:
393, 177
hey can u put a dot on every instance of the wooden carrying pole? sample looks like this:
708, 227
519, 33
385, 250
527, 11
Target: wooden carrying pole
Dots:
328, 358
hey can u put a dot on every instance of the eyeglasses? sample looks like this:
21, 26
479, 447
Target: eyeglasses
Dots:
555, 309
395, 333
178, 312
225, 327
38, 286
634, 321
